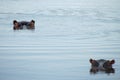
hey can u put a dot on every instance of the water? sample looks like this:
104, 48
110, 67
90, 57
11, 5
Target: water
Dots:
67, 34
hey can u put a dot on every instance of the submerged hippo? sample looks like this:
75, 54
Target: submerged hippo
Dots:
23, 24
102, 65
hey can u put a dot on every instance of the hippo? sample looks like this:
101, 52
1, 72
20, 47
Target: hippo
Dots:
102, 65
23, 24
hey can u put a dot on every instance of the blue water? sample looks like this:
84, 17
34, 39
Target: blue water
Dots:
67, 34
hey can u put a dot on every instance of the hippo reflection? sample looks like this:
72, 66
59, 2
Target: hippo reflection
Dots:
102, 65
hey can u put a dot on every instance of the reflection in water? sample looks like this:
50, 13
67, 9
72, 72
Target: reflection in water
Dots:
107, 71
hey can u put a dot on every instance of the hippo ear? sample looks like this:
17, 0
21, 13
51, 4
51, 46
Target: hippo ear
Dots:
32, 21
91, 60
112, 61
14, 21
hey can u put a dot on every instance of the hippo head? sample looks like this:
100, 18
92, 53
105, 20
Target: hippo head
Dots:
20, 25
102, 65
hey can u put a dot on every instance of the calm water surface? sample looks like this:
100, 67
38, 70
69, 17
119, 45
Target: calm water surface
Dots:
66, 36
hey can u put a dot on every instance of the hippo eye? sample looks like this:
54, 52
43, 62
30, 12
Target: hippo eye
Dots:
106, 65
95, 64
